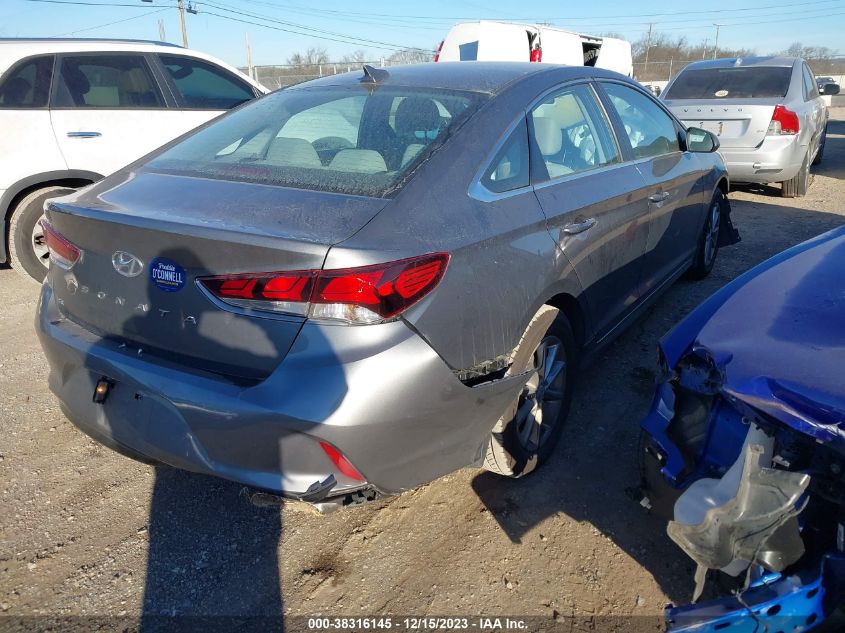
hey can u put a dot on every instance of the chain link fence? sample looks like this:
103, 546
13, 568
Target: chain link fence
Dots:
279, 76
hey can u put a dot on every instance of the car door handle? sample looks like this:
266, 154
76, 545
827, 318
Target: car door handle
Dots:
573, 228
663, 196
83, 134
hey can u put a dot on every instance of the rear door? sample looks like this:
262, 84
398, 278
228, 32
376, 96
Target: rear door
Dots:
674, 203
593, 199
27, 143
202, 90
815, 114
108, 110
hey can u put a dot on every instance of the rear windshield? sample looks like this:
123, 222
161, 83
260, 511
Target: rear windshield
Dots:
747, 82
344, 140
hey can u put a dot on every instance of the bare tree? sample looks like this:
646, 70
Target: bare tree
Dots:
411, 56
312, 57
355, 57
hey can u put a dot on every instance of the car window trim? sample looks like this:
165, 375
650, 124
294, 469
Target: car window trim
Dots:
57, 71
22, 62
619, 125
181, 104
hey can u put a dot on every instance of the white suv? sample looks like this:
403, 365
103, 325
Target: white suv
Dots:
73, 111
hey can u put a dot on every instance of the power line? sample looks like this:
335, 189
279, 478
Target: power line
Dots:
100, 26
306, 28
567, 18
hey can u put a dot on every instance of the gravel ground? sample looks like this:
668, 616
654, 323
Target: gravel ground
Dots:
84, 531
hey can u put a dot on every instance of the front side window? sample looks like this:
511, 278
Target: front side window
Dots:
650, 131
326, 139
572, 133
28, 85
204, 86
509, 169
107, 81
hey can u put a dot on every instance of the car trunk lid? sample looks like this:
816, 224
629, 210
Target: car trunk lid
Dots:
740, 124
180, 229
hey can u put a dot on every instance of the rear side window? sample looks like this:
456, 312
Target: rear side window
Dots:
810, 88
749, 82
28, 85
107, 81
509, 170
203, 86
650, 131
572, 133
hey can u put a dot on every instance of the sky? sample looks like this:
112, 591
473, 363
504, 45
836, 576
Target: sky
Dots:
279, 28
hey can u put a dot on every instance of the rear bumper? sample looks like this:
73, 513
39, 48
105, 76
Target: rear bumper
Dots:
777, 159
377, 393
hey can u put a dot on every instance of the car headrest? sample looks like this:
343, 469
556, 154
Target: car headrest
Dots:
292, 151
549, 136
15, 91
362, 161
75, 80
416, 117
134, 80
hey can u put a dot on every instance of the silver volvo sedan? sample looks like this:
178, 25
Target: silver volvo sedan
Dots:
358, 284
766, 111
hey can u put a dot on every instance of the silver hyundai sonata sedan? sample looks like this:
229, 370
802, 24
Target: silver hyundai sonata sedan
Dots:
358, 284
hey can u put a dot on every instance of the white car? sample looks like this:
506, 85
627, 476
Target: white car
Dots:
73, 111
492, 41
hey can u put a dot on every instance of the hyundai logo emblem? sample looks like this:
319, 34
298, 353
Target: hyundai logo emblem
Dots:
127, 264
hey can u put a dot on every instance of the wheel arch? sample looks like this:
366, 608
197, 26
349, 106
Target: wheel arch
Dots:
575, 313
16, 192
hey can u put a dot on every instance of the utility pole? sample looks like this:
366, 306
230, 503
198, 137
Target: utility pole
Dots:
182, 22
162, 36
647, 48
716, 42
249, 66
704, 52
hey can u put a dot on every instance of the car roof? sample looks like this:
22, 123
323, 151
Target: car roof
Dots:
485, 77
736, 62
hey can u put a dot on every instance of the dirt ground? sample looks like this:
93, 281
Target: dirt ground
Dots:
84, 531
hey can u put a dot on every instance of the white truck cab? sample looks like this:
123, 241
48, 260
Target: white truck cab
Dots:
512, 41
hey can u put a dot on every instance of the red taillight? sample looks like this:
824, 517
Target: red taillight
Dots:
783, 121
340, 462
368, 294
536, 54
439, 48
63, 253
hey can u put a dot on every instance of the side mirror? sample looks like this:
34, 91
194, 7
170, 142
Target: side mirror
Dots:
701, 141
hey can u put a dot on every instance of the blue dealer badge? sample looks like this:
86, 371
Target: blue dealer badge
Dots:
167, 275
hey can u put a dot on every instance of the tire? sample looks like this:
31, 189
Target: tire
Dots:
27, 253
708, 241
797, 186
526, 434
820, 152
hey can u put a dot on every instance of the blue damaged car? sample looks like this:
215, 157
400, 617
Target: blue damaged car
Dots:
744, 446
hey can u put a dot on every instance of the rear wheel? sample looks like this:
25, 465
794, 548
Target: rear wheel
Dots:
27, 248
797, 186
708, 241
527, 432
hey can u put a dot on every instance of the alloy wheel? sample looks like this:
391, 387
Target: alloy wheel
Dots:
541, 400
